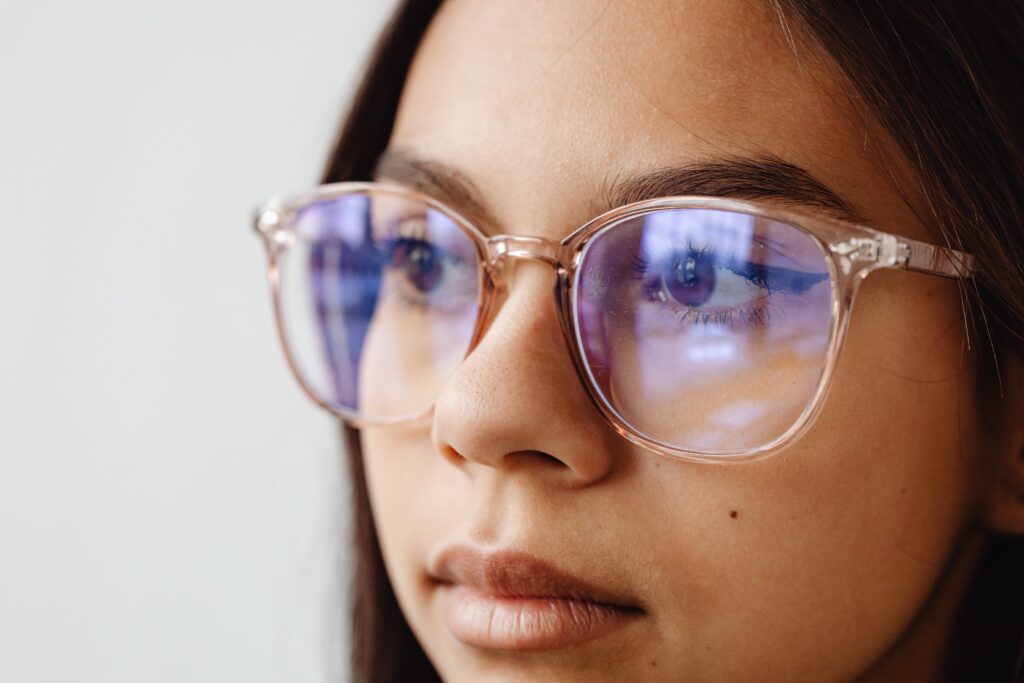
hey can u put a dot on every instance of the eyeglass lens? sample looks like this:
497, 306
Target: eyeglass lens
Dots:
380, 297
704, 330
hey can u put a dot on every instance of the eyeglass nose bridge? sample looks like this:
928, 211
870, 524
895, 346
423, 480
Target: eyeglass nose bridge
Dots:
501, 247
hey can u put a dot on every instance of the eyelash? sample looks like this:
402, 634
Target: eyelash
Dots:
758, 316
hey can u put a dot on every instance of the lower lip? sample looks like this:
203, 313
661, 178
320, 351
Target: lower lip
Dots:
522, 624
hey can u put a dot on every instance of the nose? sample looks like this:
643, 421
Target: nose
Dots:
516, 402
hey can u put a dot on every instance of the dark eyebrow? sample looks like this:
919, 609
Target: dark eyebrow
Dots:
763, 178
434, 179
766, 177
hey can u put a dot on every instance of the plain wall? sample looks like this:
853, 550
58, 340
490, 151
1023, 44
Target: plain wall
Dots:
172, 508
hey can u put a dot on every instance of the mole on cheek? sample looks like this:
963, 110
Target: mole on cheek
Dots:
733, 514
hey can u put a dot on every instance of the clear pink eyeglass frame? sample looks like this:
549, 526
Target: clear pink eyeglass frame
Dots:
851, 251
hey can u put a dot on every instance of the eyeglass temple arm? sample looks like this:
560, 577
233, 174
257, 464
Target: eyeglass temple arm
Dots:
933, 259
901, 252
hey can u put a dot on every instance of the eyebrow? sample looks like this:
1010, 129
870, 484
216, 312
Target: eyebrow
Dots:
762, 178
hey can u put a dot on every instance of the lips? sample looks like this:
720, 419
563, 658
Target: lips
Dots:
508, 600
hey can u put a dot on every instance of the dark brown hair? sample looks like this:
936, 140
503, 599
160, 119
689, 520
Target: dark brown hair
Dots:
944, 78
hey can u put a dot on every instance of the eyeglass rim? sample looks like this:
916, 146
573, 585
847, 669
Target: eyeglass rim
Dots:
851, 251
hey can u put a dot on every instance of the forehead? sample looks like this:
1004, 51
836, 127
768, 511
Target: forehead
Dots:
540, 105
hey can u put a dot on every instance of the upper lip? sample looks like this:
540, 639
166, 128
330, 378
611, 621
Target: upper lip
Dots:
516, 574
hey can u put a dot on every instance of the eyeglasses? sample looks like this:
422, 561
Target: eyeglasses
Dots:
702, 328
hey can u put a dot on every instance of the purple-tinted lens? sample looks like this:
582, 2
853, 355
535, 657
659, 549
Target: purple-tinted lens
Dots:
380, 295
705, 330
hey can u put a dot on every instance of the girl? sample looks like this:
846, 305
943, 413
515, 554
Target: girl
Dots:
698, 460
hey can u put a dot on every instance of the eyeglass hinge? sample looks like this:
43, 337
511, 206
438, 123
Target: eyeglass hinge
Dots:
903, 254
269, 223
858, 249
885, 249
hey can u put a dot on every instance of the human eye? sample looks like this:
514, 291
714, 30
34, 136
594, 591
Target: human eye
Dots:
700, 285
422, 273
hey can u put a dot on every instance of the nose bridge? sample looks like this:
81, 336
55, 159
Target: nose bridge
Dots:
528, 248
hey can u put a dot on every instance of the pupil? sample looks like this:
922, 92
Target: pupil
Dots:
422, 268
691, 281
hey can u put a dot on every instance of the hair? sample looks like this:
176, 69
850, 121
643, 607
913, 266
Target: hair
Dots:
943, 78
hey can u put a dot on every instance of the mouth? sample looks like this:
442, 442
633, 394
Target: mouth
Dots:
509, 600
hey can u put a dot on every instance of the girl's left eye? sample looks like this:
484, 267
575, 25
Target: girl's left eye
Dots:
695, 280
701, 280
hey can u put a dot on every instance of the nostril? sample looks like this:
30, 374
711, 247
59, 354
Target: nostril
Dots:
452, 455
511, 459
541, 456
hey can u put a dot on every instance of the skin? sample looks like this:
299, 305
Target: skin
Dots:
839, 558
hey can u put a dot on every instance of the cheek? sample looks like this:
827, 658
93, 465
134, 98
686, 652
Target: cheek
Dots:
405, 484
407, 480
900, 423
828, 559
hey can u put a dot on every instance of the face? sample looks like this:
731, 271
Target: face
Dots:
838, 555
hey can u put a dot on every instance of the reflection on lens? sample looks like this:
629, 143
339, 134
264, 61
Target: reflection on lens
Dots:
705, 330
380, 296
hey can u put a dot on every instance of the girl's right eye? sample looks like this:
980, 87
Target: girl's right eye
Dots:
426, 275
419, 261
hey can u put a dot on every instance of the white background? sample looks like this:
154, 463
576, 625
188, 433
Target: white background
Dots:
171, 507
